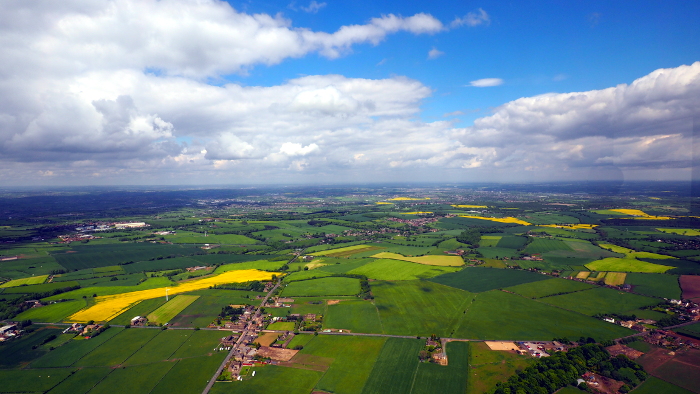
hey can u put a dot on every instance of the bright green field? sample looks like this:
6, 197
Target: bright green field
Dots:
224, 239
655, 285
353, 315
434, 378
52, 313
160, 348
681, 231
281, 326
395, 368
40, 288
548, 287
34, 280
353, 359
657, 386
489, 240
488, 367
626, 265
390, 269
303, 275
200, 343
502, 316
477, 279
117, 349
171, 308
544, 245
419, 307
600, 300
299, 340
143, 308
294, 381
333, 286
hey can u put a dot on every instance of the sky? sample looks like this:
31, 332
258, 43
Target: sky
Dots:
190, 92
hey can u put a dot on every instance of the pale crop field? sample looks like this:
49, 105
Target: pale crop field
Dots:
508, 219
445, 261
615, 278
108, 307
34, 280
171, 308
680, 231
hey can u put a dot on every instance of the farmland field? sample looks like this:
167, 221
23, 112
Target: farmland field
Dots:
489, 240
30, 380
89, 256
626, 265
536, 320
544, 245
189, 376
140, 378
511, 242
199, 343
205, 309
82, 381
353, 359
448, 261
160, 348
171, 308
419, 307
655, 285
74, 350
484, 279
52, 313
19, 352
390, 269
681, 231
34, 280
690, 284
655, 386
615, 278
395, 368
304, 275
323, 287
487, 367
118, 348
346, 251
548, 287
143, 308
294, 381
600, 300
108, 307
353, 315
452, 378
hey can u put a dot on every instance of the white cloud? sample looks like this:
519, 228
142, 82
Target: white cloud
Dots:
435, 53
296, 149
314, 7
486, 82
474, 18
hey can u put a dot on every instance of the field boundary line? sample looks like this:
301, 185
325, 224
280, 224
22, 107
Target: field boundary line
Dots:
379, 316
165, 374
413, 381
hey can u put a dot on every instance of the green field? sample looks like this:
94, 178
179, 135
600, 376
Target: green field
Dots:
512, 242
395, 368
189, 376
160, 348
390, 269
300, 340
34, 280
52, 313
343, 266
136, 379
21, 351
294, 381
626, 265
548, 287
74, 350
89, 256
544, 245
171, 308
117, 349
655, 285
452, 378
353, 359
600, 300
303, 275
493, 313
489, 240
31, 380
477, 279
681, 231
200, 343
657, 386
281, 326
333, 286
488, 367
419, 307
82, 381
353, 315
40, 288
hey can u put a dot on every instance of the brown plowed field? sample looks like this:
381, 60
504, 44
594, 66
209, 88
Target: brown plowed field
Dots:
690, 284
682, 368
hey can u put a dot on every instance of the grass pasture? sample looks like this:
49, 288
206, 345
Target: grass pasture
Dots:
655, 385
600, 300
189, 376
346, 251
82, 381
488, 367
39, 288
452, 378
489, 240
160, 348
681, 231
333, 286
171, 308
294, 381
34, 280
90, 256
548, 287
512, 242
544, 245
136, 379
477, 279
52, 313
444, 261
200, 343
281, 326
31, 380
390, 269
304, 275
21, 351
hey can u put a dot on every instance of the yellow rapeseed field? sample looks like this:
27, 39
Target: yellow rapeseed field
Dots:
500, 220
108, 307
385, 203
578, 226
639, 214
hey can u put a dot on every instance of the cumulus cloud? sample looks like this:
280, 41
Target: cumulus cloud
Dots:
313, 7
295, 149
435, 53
486, 82
472, 19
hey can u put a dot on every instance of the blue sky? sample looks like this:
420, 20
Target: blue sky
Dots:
180, 91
